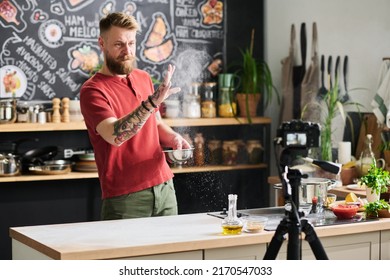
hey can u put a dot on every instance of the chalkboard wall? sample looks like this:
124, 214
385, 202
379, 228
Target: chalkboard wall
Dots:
49, 48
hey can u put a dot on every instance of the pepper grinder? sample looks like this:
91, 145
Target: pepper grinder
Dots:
65, 110
56, 117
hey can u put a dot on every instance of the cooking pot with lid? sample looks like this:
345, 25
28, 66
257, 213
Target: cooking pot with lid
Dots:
9, 165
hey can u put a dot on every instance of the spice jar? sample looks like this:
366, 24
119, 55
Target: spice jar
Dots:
199, 151
215, 152
229, 153
227, 107
209, 109
255, 151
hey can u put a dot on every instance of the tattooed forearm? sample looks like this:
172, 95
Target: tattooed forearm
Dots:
128, 126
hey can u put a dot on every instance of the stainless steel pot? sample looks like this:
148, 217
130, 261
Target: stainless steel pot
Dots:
9, 165
309, 188
7, 110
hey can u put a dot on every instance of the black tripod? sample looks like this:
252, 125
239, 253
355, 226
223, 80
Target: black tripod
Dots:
293, 225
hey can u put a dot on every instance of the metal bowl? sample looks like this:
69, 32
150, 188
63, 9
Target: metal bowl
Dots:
179, 156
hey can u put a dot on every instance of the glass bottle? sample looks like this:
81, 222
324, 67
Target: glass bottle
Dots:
227, 107
367, 157
232, 224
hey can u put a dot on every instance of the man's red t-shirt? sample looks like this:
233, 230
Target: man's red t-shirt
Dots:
138, 163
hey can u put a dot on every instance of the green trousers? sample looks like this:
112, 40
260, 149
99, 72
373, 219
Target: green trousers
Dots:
159, 200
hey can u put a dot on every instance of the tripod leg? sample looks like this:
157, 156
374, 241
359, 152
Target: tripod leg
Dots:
314, 241
294, 241
276, 241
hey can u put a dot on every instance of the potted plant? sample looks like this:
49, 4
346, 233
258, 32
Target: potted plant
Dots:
377, 209
376, 182
332, 107
255, 77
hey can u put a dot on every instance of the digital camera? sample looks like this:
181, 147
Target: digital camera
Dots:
299, 134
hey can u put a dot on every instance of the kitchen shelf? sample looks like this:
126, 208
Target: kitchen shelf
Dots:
91, 175
181, 122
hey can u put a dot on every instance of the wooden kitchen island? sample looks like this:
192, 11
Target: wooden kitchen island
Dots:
192, 236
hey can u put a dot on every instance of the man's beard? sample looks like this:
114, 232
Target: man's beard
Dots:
120, 66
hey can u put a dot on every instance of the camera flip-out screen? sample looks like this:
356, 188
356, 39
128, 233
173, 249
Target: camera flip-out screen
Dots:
296, 139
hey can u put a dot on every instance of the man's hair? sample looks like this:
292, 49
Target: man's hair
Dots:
119, 20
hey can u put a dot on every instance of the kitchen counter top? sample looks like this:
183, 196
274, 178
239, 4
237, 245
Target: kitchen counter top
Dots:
152, 236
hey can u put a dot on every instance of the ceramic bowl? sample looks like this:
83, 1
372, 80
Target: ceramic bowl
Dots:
345, 211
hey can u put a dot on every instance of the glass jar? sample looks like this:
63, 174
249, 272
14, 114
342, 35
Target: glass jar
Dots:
229, 153
215, 152
171, 108
242, 154
8, 110
255, 151
22, 112
209, 109
199, 149
191, 103
227, 107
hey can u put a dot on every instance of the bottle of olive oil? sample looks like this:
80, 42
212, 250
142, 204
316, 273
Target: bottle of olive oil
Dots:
232, 224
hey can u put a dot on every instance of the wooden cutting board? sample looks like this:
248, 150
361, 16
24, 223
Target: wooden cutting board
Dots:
369, 125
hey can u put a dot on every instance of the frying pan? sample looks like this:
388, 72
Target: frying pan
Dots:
38, 156
12, 146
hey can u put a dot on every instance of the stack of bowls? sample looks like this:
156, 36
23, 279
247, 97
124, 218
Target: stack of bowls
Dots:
86, 163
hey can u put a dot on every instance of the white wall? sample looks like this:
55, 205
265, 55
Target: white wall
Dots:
357, 28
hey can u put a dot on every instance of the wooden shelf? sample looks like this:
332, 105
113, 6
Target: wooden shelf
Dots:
32, 127
215, 121
212, 168
91, 175
29, 178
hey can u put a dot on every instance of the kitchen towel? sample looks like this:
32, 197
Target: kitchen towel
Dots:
311, 83
381, 101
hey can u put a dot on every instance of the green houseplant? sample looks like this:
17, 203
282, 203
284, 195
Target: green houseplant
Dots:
376, 181
330, 108
255, 78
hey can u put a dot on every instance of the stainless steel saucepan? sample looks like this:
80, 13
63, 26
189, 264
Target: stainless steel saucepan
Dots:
9, 165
